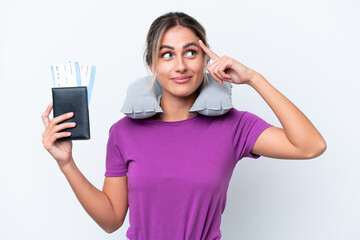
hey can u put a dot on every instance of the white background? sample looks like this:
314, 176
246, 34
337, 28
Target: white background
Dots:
308, 50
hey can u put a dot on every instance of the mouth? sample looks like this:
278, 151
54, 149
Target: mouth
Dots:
182, 79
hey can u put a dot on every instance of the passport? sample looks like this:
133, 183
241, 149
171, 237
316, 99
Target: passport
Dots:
72, 99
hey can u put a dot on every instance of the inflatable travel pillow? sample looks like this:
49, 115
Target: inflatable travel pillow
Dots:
214, 99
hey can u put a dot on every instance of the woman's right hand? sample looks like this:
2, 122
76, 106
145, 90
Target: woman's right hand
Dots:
60, 150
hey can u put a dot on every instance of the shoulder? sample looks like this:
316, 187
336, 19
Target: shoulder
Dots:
232, 117
234, 111
244, 118
124, 122
238, 114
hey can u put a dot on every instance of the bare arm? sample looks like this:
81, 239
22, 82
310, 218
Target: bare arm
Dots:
298, 139
108, 207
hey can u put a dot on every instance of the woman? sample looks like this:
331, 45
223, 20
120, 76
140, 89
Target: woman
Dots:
173, 170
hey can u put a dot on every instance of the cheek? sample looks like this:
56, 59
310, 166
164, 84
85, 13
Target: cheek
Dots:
197, 65
164, 68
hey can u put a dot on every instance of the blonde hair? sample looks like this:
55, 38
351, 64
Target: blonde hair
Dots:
157, 30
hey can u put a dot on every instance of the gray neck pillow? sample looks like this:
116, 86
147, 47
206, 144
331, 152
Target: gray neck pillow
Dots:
214, 99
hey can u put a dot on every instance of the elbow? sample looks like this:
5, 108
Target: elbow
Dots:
317, 151
111, 229
114, 224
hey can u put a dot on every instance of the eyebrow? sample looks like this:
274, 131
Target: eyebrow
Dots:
185, 46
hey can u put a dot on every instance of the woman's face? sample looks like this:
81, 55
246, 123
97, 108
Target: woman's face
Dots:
180, 57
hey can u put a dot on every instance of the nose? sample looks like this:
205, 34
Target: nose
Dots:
180, 65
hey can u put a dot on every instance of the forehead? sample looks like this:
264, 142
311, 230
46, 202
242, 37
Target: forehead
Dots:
178, 36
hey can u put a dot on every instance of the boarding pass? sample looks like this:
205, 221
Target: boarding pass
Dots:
74, 74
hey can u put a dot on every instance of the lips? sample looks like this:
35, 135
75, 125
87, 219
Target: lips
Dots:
182, 79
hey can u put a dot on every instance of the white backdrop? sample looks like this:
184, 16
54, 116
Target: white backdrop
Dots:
309, 50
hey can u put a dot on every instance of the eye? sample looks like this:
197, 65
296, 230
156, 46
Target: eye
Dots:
191, 53
166, 55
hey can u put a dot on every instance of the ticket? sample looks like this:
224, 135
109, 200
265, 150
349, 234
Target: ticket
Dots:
72, 74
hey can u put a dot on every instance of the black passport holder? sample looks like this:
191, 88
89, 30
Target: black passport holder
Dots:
73, 99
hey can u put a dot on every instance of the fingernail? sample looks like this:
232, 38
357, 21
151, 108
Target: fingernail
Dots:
70, 114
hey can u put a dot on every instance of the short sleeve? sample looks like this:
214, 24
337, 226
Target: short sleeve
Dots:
115, 165
245, 128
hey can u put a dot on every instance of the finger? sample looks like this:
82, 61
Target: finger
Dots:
62, 126
214, 76
216, 73
215, 68
226, 64
49, 142
48, 133
215, 64
224, 75
210, 53
45, 115
61, 118
56, 136
221, 61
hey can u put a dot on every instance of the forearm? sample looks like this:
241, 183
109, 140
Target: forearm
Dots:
297, 127
94, 201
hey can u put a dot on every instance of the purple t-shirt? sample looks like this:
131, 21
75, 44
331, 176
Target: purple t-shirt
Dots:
178, 172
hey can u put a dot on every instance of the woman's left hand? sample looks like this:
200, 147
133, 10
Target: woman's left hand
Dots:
227, 69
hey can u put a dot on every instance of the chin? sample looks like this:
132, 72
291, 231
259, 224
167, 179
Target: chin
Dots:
182, 94
185, 92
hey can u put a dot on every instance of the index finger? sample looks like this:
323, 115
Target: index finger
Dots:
210, 53
45, 115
